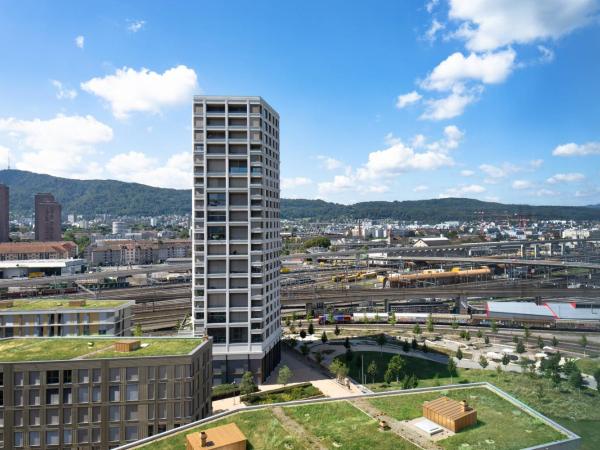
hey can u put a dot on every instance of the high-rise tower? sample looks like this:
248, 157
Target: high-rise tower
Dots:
236, 235
47, 218
4, 209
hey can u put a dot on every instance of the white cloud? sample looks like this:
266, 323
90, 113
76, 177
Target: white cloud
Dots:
572, 149
62, 92
467, 173
432, 31
80, 41
421, 188
494, 173
490, 24
431, 4
589, 192
408, 99
138, 167
565, 178
136, 25
330, 163
546, 54
522, 184
451, 106
130, 91
462, 191
487, 68
545, 193
290, 183
58, 146
418, 141
536, 163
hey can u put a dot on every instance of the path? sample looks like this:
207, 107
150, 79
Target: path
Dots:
402, 429
294, 428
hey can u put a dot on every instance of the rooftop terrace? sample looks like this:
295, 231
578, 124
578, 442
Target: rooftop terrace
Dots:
64, 349
58, 304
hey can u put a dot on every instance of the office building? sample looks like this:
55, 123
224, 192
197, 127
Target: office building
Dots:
47, 218
4, 209
64, 317
236, 230
99, 393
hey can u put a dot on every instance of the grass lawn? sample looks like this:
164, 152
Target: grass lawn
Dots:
494, 415
284, 395
341, 425
588, 365
30, 305
263, 430
422, 368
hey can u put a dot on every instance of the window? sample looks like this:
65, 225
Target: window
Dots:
34, 417
1, 378
83, 394
151, 412
34, 397
96, 394
131, 433
67, 437
83, 415
131, 392
95, 435
67, 376
34, 378
115, 374
18, 397
34, 438
82, 436
131, 374
114, 413
52, 376
96, 376
96, 414
114, 394
83, 376
215, 198
52, 437
67, 415
52, 416
18, 438
216, 233
67, 396
151, 373
52, 396
131, 412
151, 391
162, 411
114, 434
162, 391
162, 372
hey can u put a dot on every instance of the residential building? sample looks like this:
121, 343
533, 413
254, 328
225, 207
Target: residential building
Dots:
28, 318
12, 251
47, 218
236, 232
133, 252
99, 393
119, 227
4, 209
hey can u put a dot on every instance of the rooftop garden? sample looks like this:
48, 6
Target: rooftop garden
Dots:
32, 305
50, 349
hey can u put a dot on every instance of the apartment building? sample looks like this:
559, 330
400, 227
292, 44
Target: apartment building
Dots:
47, 218
4, 209
99, 393
125, 252
236, 233
18, 251
49, 317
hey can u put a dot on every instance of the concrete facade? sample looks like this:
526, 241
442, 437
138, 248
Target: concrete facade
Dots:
4, 209
47, 218
236, 233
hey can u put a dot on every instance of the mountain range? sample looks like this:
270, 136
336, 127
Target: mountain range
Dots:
118, 198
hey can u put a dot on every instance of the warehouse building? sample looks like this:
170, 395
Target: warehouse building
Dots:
566, 314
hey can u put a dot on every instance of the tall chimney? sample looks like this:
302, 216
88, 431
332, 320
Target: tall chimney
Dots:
203, 439
464, 406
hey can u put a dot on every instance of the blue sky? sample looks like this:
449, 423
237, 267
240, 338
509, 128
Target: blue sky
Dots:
385, 100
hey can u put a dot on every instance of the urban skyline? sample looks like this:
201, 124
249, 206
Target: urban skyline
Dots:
513, 110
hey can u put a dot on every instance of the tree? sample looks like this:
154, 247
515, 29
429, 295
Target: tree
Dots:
311, 329
324, 337
302, 334
540, 342
498, 370
388, 376
483, 362
494, 326
583, 342
459, 354
451, 368
288, 322
292, 329
138, 330
309, 316
576, 380
515, 338
397, 365
486, 340
527, 333
392, 319
337, 330
318, 241
479, 333
372, 370
318, 357
284, 375
339, 369
554, 341
304, 349
597, 378
429, 324
347, 342
381, 341
405, 346
330, 318
294, 317
520, 347
505, 359
414, 345
540, 391
247, 385
417, 329
454, 324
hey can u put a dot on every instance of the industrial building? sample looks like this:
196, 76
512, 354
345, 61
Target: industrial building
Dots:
99, 393
33, 268
556, 314
47, 218
29, 318
236, 233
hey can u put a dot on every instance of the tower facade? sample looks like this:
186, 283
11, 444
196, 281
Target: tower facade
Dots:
4, 209
47, 218
236, 234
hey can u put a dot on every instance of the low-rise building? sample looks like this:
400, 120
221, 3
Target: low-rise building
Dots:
11, 251
28, 318
33, 268
99, 393
133, 252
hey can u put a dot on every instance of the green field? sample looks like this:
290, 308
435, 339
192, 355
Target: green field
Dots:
32, 305
494, 416
588, 365
341, 425
287, 394
263, 430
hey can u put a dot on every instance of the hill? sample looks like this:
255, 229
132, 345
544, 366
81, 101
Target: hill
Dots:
90, 197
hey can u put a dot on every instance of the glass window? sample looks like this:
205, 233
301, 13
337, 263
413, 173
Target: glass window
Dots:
83, 394
114, 394
114, 413
83, 376
162, 390
96, 376
83, 415
114, 434
95, 435
131, 433
131, 412
34, 439
18, 397
177, 390
52, 396
67, 376
67, 415
52, 416
131, 374
151, 412
18, 378
96, 394
162, 372
151, 373
34, 397
18, 438
162, 411
52, 437
67, 396
114, 374
131, 392
177, 410
151, 391
96, 414
83, 436
34, 378
18, 418
67, 437
34, 417
52, 376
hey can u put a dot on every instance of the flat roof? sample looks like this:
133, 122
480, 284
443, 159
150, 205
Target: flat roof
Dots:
65, 349
218, 437
62, 304
39, 263
546, 310
528, 308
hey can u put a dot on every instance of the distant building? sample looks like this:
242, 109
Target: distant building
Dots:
431, 242
12, 251
47, 218
134, 252
23, 268
4, 208
119, 227
65, 317
98, 392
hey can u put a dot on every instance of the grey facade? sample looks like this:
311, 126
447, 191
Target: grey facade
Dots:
4, 210
236, 233
47, 218
101, 403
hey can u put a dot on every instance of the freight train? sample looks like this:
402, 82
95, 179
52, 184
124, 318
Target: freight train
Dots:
404, 317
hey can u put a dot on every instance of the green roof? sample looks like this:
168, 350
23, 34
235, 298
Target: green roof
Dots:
57, 304
62, 349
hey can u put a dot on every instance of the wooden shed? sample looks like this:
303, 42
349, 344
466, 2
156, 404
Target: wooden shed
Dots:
450, 414
127, 346
225, 437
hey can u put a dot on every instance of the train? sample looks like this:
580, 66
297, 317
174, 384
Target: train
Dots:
405, 317
360, 275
